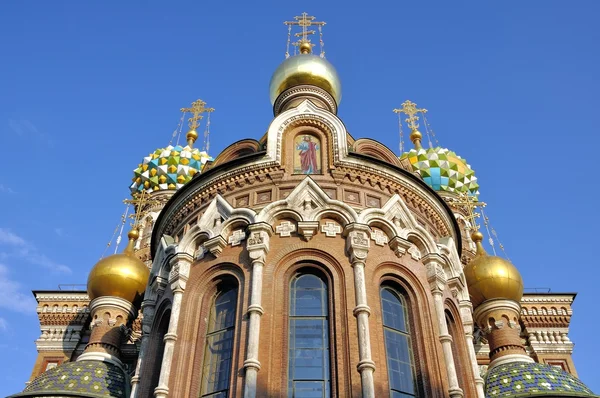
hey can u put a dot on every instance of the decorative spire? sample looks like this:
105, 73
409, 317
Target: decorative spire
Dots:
197, 109
410, 110
304, 44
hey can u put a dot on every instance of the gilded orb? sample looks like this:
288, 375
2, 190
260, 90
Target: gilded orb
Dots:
120, 275
306, 69
491, 277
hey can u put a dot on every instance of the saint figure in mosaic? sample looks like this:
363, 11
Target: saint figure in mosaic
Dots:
307, 157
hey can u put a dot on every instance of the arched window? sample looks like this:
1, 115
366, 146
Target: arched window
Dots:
309, 373
398, 346
216, 372
157, 344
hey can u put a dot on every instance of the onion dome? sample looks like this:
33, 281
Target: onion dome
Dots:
491, 277
305, 69
121, 275
80, 379
168, 168
443, 170
530, 379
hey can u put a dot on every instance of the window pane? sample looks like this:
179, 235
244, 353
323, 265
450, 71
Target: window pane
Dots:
223, 314
309, 296
393, 311
309, 389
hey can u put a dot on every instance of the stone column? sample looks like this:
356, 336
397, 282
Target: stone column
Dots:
357, 247
180, 271
498, 319
437, 282
258, 247
466, 311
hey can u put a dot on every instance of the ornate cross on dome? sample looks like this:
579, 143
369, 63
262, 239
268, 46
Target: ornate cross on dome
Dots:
197, 109
142, 203
410, 109
470, 203
304, 21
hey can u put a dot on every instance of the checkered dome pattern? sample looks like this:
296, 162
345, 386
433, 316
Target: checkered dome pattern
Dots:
528, 379
82, 379
443, 170
168, 168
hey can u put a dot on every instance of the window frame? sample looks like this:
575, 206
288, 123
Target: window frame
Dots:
310, 269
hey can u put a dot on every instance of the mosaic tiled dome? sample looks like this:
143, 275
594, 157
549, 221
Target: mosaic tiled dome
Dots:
168, 168
81, 379
528, 379
443, 170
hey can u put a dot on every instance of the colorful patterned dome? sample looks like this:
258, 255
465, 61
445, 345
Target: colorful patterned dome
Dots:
80, 379
443, 170
168, 168
528, 379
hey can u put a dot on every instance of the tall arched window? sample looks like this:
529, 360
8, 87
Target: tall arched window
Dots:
216, 372
398, 346
309, 373
157, 344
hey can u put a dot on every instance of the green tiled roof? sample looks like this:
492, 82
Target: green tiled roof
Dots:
528, 379
80, 379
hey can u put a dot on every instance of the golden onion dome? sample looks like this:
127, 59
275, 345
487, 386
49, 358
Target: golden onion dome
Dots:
491, 277
121, 275
306, 69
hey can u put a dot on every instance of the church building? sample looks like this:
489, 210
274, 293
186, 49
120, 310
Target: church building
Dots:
304, 263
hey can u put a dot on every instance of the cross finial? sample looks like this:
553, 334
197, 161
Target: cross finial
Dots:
470, 203
410, 109
305, 21
142, 203
197, 109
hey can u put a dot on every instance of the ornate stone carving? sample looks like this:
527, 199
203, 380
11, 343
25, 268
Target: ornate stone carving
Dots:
357, 241
236, 237
285, 229
379, 237
331, 229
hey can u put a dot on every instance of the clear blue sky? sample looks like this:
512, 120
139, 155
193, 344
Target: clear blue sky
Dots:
89, 88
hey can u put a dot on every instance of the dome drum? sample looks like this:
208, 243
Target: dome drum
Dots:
293, 96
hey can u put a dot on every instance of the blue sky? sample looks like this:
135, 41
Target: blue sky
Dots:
87, 89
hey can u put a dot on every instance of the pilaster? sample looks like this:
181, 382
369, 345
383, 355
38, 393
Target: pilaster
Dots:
258, 246
437, 282
357, 248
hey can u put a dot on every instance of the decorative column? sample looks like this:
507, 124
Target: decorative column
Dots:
258, 247
110, 319
499, 321
466, 311
357, 247
437, 282
180, 271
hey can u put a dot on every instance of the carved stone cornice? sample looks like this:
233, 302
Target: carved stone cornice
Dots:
308, 229
215, 245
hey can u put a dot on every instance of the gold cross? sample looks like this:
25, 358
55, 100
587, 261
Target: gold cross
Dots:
197, 108
470, 202
410, 109
142, 203
304, 21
